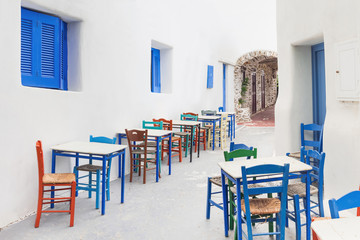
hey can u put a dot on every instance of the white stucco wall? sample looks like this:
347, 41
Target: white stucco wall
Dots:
300, 24
109, 75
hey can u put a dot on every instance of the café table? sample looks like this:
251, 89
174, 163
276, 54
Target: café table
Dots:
337, 228
96, 151
232, 170
191, 125
158, 136
212, 120
232, 126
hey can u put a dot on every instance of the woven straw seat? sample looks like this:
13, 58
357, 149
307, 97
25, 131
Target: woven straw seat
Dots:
54, 178
217, 180
263, 206
149, 144
141, 151
89, 168
295, 155
300, 189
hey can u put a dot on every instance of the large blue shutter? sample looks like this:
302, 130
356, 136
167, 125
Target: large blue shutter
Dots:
155, 71
46, 51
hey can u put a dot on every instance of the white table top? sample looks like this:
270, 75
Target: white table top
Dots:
337, 229
89, 148
229, 113
233, 168
185, 123
201, 117
151, 132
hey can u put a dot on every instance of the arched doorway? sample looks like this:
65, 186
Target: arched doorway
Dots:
255, 83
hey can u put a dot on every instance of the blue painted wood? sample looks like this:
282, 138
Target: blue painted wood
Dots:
348, 201
43, 50
221, 109
318, 83
316, 142
224, 86
152, 125
155, 71
210, 76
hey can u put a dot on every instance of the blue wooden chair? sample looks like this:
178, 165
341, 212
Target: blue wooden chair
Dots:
264, 206
94, 169
217, 180
298, 190
221, 109
348, 201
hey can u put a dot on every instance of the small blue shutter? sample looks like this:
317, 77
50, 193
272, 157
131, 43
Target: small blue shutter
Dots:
155, 71
47, 57
210, 77
63, 57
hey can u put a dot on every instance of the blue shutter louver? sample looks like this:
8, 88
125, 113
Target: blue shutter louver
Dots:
47, 50
26, 46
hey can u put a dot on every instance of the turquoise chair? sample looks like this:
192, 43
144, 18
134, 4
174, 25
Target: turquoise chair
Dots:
94, 169
152, 125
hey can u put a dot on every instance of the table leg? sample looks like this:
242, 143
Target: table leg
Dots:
170, 146
191, 141
76, 165
103, 185
213, 147
53, 164
308, 217
122, 176
225, 204
198, 153
238, 212
234, 126
157, 158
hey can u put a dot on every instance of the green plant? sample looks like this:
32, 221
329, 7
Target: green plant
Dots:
244, 88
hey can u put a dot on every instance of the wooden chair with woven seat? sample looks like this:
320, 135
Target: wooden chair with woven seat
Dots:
66, 181
220, 132
262, 208
297, 191
176, 143
203, 130
216, 180
138, 148
91, 170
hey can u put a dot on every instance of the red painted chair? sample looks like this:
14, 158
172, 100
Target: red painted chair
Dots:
202, 132
54, 180
176, 144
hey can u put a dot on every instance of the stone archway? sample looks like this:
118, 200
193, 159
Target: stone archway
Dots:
259, 69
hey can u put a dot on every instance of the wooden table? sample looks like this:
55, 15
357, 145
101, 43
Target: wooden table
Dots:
232, 170
212, 120
232, 125
337, 229
158, 136
98, 151
192, 125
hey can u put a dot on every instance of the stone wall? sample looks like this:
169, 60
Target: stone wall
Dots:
261, 63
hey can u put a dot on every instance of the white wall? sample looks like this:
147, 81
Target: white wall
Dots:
300, 24
109, 75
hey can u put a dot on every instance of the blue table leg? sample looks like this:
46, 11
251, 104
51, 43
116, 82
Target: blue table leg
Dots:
308, 218
213, 147
103, 181
53, 164
157, 158
225, 204
122, 176
238, 211
76, 165
234, 125
170, 145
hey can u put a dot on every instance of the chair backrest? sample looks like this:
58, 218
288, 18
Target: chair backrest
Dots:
208, 112
167, 124
229, 156
40, 158
315, 142
317, 162
189, 117
221, 109
348, 201
234, 146
102, 139
265, 169
223, 125
152, 125
136, 136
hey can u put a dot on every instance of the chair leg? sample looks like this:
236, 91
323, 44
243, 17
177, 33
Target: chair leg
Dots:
72, 203
144, 167
90, 182
208, 198
39, 208
297, 217
180, 150
97, 192
271, 223
131, 169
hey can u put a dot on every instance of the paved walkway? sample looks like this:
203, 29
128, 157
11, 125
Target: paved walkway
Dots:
264, 118
173, 208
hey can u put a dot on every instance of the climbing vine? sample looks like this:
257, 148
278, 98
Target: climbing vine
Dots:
244, 88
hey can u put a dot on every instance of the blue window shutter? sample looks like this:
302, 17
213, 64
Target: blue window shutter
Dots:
210, 77
155, 71
48, 63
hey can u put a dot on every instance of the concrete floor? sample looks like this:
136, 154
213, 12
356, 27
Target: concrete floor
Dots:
174, 208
